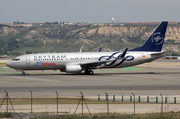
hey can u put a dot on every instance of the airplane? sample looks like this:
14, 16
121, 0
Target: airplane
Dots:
89, 61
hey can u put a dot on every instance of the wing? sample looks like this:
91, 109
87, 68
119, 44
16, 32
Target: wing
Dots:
100, 64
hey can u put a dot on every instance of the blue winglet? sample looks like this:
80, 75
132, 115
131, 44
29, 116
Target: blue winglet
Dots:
100, 49
123, 54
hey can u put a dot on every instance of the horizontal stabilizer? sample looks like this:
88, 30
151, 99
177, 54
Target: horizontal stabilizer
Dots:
161, 53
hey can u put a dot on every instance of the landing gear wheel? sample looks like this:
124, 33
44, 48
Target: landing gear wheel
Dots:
89, 72
23, 73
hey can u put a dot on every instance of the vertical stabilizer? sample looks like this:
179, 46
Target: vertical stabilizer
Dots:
155, 42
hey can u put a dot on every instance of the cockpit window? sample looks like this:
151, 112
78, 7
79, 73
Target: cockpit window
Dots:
16, 59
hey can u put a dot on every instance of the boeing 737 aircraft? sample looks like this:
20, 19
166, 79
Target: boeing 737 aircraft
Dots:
87, 61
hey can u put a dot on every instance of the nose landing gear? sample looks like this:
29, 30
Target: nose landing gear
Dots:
23, 73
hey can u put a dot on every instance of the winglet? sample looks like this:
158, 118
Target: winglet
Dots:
100, 49
123, 54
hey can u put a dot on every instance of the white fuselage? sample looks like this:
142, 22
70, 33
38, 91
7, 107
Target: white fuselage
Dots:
53, 61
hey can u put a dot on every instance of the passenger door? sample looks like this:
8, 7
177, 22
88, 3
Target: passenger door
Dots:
28, 60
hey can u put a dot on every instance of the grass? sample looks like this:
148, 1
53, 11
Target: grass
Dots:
27, 101
170, 115
5, 115
2, 64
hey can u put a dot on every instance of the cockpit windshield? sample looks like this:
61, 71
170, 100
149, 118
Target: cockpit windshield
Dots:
16, 59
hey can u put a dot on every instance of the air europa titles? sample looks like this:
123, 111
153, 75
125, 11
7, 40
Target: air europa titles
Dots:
48, 64
38, 63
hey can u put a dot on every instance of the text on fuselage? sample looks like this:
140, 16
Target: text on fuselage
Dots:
50, 56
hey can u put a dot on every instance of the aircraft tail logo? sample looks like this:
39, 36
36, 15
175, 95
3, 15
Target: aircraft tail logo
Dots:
157, 38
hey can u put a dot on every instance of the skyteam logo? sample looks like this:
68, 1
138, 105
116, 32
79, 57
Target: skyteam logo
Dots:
127, 58
157, 38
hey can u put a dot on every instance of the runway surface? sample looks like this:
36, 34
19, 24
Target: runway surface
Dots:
148, 79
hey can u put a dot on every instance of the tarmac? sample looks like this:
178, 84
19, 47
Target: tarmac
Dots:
149, 79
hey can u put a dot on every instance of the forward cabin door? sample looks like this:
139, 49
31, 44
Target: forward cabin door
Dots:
28, 60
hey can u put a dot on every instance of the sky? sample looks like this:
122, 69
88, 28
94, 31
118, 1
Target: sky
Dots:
89, 11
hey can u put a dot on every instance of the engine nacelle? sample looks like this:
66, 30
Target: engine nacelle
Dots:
73, 68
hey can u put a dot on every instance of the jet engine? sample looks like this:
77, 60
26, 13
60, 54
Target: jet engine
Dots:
73, 68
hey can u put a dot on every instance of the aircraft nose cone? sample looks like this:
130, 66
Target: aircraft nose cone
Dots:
9, 64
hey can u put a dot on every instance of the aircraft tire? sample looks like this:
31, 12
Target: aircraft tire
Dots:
91, 72
23, 73
87, 72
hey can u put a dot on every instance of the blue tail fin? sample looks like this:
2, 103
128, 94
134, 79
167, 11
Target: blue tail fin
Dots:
155, 42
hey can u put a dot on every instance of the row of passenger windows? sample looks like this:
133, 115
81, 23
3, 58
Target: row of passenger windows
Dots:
70, 59
46, 59
104, 58
82, 58
66, 59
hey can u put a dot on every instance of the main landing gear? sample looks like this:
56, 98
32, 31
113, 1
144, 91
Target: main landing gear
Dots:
89, 72
23, 73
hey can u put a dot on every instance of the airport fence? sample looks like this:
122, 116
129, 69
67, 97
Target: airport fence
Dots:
79, 104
